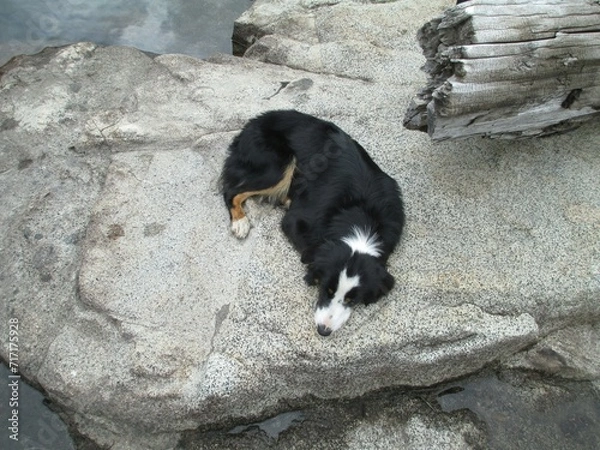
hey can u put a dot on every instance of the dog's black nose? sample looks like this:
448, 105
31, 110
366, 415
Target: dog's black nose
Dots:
323, 330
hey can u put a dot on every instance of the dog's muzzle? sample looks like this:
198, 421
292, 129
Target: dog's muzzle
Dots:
323, 330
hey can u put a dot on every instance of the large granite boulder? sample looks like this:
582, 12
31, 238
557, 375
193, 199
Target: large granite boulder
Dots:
142, 316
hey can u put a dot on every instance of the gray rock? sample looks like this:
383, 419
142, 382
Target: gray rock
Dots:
143, 317
570, 352
489, 410
381, 420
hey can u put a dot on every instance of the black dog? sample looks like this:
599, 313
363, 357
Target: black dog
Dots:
344, 216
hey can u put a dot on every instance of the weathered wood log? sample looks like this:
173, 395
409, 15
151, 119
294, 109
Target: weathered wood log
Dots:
509, 68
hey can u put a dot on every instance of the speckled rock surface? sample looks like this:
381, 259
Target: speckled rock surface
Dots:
144, 317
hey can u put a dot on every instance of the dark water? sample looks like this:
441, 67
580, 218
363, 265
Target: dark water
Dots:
37, 427
194, 27
273, 426
523, 411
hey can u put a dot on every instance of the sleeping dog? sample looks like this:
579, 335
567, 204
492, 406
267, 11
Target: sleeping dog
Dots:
344, 214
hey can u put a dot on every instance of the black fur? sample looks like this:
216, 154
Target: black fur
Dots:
337, 188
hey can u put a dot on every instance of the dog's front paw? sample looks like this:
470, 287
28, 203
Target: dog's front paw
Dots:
240, 228
311, 279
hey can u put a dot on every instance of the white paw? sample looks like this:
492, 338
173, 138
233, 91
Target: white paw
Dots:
240, 228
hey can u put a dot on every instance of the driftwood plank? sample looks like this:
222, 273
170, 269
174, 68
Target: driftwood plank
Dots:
515, 62
509, 68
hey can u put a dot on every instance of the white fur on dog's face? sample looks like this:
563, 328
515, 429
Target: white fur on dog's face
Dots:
333, 315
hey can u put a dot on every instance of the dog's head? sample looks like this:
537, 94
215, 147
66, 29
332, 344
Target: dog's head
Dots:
346, 278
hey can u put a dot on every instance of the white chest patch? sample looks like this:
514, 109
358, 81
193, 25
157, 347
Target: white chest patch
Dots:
363, 241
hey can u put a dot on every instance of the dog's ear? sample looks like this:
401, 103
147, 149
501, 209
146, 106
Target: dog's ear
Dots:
384, 284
